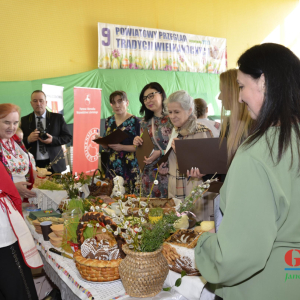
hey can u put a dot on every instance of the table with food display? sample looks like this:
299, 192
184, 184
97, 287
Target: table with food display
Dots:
109, 245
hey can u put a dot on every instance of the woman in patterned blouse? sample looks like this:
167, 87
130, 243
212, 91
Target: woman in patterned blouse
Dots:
13, 153
157, 122
122, 160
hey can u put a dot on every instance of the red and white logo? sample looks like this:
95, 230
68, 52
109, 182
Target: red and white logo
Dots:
91, 148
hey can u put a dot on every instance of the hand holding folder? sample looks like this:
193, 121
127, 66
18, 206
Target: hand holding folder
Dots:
144, 150
116, 137
206, 154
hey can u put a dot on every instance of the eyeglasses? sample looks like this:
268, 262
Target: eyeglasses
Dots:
150, 96
119, 101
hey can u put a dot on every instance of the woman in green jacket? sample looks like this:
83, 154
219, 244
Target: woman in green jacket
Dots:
256, 252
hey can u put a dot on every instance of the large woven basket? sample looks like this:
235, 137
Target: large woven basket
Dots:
93, 270
143, 273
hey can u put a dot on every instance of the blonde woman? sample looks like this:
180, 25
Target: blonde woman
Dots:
236, 126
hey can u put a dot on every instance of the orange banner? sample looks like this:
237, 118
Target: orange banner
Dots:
87, 114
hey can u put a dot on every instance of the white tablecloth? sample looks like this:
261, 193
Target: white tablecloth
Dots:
65, 269
48, 199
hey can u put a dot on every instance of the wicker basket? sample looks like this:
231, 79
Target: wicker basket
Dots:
100, 190
94, 269
143, 273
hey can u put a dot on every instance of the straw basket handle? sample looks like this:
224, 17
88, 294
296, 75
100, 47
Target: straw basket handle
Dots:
55, 174
95, 174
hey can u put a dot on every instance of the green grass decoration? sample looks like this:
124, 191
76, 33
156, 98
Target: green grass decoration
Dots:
51, 186
71, 228
156, 212
154, 235
76, 203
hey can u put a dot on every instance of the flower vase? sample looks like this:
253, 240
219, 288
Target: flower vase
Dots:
143, 273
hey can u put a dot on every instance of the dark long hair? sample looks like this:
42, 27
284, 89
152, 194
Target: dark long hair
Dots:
144, 110
281, 106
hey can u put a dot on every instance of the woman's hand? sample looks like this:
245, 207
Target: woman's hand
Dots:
23, 191
116, 147
137, 141
194, 172
155, 155
173, 144
163, 170
100, 137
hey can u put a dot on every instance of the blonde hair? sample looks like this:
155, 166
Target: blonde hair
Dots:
236, 126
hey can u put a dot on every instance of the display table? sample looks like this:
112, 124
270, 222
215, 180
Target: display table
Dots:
63, 272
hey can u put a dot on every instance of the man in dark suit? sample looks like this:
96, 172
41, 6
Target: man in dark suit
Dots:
44, 133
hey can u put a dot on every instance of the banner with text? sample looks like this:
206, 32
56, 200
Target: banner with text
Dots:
54, 97
87, 113
131, 47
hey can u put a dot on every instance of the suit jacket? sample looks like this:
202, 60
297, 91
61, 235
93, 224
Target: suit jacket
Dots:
55, 126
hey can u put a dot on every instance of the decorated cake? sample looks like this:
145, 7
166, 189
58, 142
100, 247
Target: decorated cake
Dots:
179, 251
102, 247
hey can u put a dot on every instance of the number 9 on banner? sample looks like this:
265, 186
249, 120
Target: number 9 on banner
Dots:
106, 34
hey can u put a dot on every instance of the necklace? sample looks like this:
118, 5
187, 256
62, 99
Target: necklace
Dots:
9, 146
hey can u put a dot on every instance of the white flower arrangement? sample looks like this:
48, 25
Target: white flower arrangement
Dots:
196, 193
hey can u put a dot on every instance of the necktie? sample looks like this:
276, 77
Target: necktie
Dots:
40, 127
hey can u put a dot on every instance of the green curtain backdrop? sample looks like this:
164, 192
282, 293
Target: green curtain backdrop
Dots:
201, 85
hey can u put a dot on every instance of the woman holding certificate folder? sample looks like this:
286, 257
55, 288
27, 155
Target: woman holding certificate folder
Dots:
181, 110
122, 160
157, 123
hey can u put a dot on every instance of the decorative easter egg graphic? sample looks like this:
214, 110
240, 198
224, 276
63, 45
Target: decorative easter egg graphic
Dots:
138, 62
146, 64
182, 67
174, 65
163, 63
125, 63
154, 64
115, 63
104, 63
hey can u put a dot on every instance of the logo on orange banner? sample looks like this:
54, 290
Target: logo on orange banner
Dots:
87, 114
91, 149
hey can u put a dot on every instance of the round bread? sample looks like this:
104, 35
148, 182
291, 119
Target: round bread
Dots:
99, 217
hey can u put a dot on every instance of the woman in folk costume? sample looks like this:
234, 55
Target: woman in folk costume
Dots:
13, 153
18, 252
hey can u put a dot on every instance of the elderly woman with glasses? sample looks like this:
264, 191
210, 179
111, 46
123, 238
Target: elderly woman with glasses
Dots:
157, 123
122, 160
